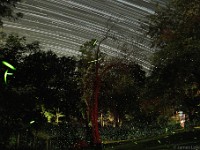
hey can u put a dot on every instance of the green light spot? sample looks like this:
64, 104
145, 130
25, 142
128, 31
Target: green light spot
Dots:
5, 76
94, 60
32, 122
8, 65
95, 42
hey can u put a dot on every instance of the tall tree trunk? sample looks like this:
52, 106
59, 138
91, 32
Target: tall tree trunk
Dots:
94, 114
18, 140
47, 144
88, 129
116, 119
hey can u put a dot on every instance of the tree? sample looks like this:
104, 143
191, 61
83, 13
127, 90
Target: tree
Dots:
14, 106
41, 83
89, 84
7, 10
54, 82
94, 66
120, 92
174, 30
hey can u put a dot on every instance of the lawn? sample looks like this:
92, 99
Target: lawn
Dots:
189, 140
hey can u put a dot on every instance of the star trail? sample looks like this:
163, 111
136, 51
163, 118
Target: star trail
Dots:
64, 25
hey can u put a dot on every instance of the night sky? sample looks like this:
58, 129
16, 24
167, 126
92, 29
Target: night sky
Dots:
64, 25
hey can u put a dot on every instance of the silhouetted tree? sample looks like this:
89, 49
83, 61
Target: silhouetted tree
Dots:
121, 90
174, 30
7, 10
42, 82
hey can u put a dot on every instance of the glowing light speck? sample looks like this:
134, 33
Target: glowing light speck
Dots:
9, 65
5, 76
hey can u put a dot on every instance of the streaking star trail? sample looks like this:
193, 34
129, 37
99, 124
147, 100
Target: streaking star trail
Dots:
64, 25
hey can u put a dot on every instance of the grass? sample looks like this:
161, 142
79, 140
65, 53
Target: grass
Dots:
188, 139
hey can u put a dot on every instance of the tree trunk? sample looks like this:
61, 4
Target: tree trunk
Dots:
88, 130
18, 140
94, 115
116, 119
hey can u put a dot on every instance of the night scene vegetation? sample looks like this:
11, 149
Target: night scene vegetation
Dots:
96, 101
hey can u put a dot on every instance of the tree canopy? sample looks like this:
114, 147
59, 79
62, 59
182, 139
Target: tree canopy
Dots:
7, 10
43, 85
174, 30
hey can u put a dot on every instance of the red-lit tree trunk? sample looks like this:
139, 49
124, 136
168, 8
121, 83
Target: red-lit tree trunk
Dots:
94, 113
96, 140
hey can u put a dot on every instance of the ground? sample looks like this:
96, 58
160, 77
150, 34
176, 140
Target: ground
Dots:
179, 140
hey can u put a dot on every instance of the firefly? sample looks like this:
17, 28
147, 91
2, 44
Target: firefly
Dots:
8, 65
32, 122
5, 75
95, 42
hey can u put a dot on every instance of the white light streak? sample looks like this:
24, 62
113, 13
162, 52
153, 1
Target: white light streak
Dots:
64, 25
